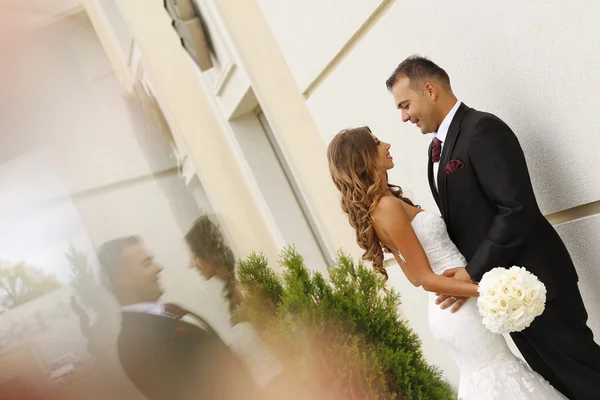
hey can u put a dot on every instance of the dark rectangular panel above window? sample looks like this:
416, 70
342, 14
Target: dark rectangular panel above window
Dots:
188, 25
180, 9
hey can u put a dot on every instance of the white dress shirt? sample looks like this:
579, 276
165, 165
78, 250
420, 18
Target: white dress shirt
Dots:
146, 308
159, 309
441, 134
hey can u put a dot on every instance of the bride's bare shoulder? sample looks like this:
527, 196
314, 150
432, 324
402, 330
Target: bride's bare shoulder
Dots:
389, 206
387, 202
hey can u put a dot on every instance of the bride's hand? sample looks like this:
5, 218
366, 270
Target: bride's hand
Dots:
461, 274
446, 301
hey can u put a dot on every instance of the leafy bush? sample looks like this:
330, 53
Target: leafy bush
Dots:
344, 335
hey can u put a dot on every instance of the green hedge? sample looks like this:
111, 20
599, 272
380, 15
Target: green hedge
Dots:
344, 335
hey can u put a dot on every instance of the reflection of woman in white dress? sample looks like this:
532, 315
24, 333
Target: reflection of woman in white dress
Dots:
214, 260
383, 217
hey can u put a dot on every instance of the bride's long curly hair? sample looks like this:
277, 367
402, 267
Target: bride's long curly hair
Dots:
352, 157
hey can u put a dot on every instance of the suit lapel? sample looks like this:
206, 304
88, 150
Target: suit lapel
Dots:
453, 133
434, 191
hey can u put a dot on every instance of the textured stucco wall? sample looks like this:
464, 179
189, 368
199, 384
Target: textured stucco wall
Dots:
529, 63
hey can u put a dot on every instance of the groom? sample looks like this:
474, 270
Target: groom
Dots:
480, 181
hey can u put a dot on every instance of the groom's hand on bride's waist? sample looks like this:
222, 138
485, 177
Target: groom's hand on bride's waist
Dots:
445, 301
459, 273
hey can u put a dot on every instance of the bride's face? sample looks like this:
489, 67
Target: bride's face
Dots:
384, 158
205, 268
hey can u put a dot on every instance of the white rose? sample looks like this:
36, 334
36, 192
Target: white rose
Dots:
502, 303
483, 304
491, 292
518, 292
505, 289
516, 309
538, 309
516, 276
493, 324
532, 294
488, 306
521, 323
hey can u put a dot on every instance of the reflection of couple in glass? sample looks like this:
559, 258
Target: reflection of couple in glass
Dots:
169, 352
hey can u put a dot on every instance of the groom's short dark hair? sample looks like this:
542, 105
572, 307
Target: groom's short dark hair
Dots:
110, 258
418, 69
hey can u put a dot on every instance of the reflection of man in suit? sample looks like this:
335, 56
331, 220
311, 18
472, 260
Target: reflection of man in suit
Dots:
167, 352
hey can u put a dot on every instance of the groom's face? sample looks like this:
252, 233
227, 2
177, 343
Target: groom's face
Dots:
140, 273
416, 104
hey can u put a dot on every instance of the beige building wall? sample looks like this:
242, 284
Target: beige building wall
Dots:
316, 68
521, 70
177, 80
91, 142
289, 116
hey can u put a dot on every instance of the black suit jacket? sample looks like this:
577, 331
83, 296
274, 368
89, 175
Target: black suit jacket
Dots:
169, 359
489, 206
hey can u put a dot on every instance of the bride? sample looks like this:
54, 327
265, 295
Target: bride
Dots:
383, 218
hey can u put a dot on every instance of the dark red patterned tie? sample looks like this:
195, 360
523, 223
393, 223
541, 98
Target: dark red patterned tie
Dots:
177, 312
174, 311
436, 150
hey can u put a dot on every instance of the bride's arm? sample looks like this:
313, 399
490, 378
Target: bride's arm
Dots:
440, 284
416, 265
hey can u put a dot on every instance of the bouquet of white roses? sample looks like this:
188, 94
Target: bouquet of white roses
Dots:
510, 299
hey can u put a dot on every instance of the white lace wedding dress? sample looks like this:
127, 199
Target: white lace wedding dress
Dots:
488, 369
